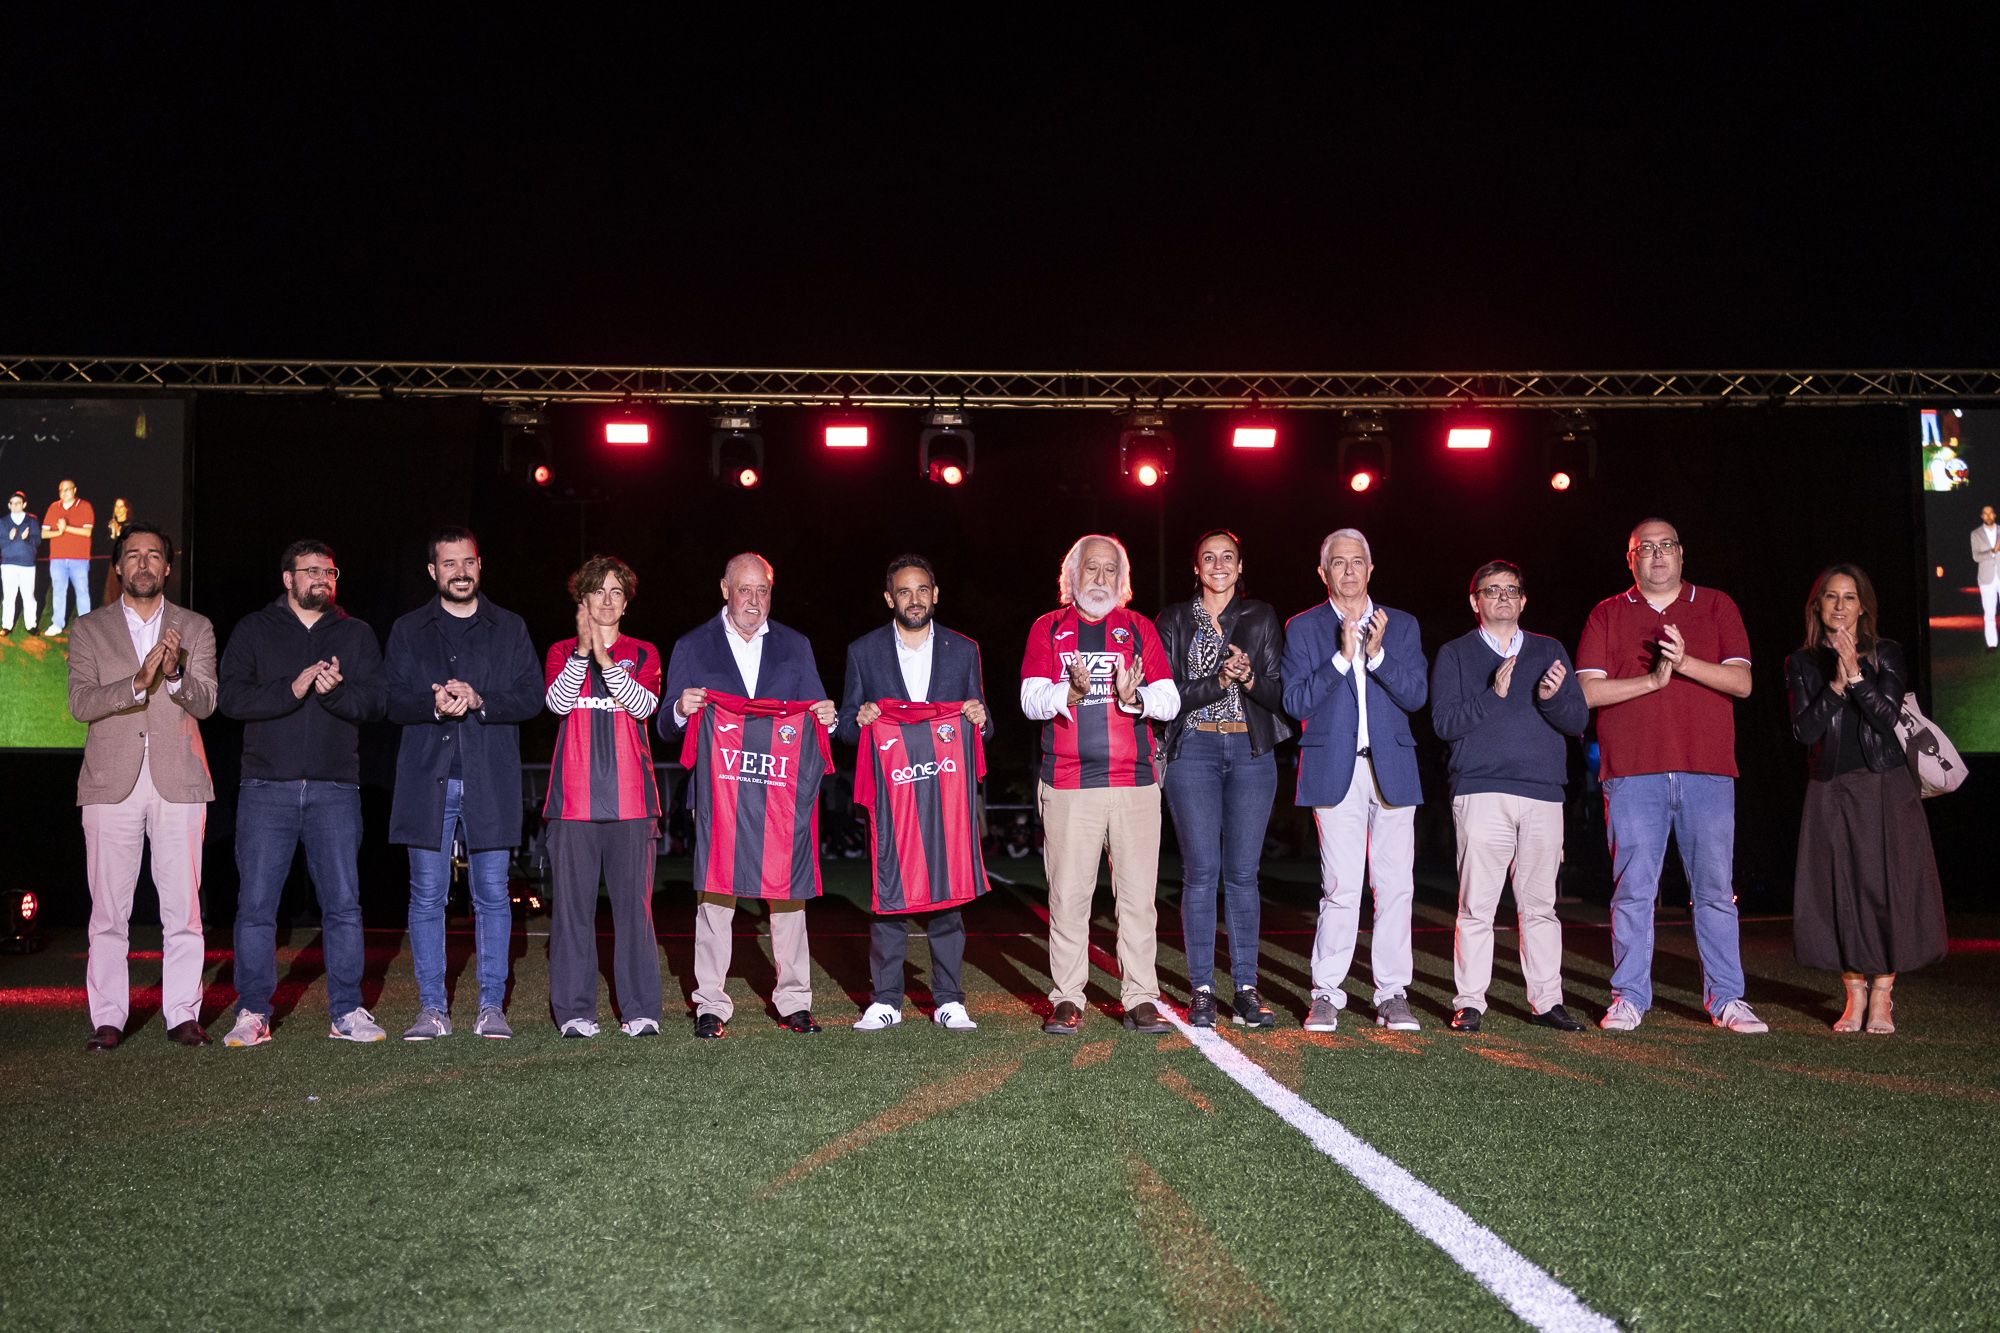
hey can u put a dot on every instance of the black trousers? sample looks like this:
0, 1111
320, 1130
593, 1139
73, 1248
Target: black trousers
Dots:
621, 854
889, 942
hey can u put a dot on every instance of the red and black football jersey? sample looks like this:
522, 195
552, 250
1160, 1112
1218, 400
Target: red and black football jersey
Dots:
919, 778
602, 769
757, 766
1099, 744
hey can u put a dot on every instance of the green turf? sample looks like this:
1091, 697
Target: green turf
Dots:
1675, 1177
34, 694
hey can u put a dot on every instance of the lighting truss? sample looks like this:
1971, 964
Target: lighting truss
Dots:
991, 389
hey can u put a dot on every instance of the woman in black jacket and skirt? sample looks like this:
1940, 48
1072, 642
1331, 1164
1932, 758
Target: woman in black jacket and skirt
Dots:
1221, 774
1866, 902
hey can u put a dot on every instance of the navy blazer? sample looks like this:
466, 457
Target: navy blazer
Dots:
874, 673
500, 663
701, 659
1322, 698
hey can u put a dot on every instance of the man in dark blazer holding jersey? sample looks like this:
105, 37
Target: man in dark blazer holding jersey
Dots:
914, 658
1354, 672
744, 652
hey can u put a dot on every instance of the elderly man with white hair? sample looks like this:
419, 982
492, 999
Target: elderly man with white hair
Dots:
1094, 672
1354, 672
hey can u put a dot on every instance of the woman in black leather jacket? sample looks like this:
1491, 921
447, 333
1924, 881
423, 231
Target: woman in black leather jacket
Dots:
1220, 774
1866, 902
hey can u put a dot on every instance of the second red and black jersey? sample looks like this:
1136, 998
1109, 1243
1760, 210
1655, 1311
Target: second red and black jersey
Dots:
602, 769
919, 779
757, 765
1099, 744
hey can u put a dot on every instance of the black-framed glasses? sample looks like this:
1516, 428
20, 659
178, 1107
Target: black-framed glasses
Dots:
318, 572
1501, 592
1656, 548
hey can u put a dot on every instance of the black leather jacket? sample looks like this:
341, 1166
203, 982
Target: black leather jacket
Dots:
1818, 713
1252, 626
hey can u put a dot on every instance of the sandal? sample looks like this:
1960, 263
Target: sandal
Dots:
1856, 1013
1880, 1006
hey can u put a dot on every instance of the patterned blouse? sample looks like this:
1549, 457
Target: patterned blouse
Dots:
1204, 659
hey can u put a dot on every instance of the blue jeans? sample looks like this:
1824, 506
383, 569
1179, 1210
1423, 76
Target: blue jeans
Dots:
272, 819
1220, 795
1700, 811
492, 911
64, 575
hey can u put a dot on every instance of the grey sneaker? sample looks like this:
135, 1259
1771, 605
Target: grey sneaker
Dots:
252, 1029
357, 1025
493, 1023
640, 1027
430, 1025
1622, 1016
1394, 1014
575, 1027
1737, 1016
1324, 1016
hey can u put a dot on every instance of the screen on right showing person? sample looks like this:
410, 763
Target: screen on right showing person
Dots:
1960, 456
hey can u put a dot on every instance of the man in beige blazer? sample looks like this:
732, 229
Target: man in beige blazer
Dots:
141, 674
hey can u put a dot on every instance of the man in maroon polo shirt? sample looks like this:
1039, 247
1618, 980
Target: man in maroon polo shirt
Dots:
1662, 663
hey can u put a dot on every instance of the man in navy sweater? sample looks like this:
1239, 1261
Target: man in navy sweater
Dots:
1504, 699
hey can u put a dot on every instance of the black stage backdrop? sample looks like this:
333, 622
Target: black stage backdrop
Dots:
1762, 497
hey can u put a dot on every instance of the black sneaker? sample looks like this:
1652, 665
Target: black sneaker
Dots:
1201, 1008
1465, 1020
1249, 1010
1557, 1017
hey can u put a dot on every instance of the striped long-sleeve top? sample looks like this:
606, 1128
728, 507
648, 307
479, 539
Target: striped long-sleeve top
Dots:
602, 768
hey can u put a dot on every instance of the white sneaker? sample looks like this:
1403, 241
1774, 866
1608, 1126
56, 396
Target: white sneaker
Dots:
357, 1025
579, 1027
952, 1016
1622, 1016
252, 1029
640, 1027
1737, 1016
876, 1017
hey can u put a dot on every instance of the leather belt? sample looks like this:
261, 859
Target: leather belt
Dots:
1225, 728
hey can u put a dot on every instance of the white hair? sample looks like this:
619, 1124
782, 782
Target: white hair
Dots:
1351, 534
1072, 568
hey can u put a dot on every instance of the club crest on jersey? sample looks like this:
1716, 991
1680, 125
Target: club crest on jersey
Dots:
1119, 634
788, 733
946, 732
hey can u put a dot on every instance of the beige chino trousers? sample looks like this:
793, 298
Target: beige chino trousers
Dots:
1496, 831
1077, 828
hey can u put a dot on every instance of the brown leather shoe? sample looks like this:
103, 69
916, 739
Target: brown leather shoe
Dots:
1063, 1022
104, 1039
190, 1033
1145, 1017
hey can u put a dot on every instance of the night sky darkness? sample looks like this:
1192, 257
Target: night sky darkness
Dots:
1613, 188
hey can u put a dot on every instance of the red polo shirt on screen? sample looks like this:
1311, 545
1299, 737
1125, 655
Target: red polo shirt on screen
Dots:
1685, 728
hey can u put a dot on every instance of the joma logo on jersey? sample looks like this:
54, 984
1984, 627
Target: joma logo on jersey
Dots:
753, 765
920, 772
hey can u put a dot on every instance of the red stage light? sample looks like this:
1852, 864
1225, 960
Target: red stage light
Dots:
628, 432
1147, 474
1361, 481
1469, 437
29, 906
847, 437
1254, 437
541, 475
951, 474
1559, 482
749, 478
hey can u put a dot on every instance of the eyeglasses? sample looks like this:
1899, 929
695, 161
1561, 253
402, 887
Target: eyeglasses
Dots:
318, 572
1501, 592
1656, 548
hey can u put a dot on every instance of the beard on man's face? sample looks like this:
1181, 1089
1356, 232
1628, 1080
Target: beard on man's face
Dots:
313, 597
1097, 602
913, 616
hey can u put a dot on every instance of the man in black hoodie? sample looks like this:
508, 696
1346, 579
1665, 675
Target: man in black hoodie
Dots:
303, 675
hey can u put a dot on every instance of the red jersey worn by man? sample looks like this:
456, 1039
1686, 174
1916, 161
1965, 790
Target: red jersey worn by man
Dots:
1686, 727
69, 544
758, 765
1099, 744
603, 768
919, 779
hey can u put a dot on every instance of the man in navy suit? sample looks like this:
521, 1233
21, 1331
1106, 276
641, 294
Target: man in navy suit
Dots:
743, 652
915, 658
1354, 672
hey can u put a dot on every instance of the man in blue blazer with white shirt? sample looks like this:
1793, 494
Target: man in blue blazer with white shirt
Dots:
1353, 673
743, 651
914, 658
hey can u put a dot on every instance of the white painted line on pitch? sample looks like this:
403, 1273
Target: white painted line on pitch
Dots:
1523, 1286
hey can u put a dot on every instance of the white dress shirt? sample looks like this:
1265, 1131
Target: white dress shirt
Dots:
916, 663
1346, 668
749, 655
145, 637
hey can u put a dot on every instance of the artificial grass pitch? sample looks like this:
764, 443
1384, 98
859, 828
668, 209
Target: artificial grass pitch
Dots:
1674, 1177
